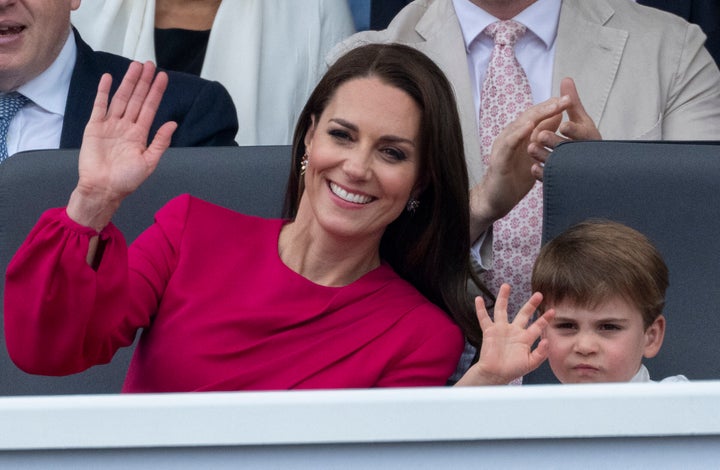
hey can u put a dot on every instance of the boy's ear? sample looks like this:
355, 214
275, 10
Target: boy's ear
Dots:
654, 335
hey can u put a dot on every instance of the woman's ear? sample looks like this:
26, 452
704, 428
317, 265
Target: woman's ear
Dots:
310, 133
654, 335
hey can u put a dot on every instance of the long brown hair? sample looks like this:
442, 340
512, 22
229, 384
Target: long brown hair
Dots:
428, 247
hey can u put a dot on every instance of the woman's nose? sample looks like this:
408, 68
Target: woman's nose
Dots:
358, 163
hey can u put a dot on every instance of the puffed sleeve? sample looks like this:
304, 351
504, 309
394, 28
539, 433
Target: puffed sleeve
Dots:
61, 315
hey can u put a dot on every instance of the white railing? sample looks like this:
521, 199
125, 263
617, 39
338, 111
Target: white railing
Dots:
552, 426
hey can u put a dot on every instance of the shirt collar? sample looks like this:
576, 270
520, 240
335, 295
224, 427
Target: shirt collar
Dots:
642, 375
49, 90
541, 18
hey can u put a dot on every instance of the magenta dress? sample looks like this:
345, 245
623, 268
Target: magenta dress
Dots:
218, 308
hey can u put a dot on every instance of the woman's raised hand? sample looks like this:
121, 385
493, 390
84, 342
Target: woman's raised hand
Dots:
506, 352
115, 158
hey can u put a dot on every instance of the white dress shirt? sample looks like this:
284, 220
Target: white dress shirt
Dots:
643, 375
38, 124
535, 51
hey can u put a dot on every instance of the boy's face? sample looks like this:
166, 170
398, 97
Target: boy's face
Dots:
605, 344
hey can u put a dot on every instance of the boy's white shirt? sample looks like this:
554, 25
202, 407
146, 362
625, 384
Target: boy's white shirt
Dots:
644, 376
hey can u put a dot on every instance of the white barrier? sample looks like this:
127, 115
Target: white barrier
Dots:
672, 425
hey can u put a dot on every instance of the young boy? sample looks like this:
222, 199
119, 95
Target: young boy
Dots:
606, 283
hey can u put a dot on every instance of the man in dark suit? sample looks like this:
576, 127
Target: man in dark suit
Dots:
203, 109
704, 13
46, 61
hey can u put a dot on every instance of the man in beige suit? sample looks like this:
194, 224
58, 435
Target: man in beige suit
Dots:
638, 73
641, 73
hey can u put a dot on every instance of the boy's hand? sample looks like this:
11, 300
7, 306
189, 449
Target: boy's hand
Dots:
506, 351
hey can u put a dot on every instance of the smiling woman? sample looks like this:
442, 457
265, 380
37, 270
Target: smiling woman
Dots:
362, 166
383, 124
350, 290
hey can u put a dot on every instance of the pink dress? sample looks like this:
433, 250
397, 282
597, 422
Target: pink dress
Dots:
218, 308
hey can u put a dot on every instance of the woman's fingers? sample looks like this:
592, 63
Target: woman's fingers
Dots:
139, 93
100, 106
125, 90
160, 143
151, 102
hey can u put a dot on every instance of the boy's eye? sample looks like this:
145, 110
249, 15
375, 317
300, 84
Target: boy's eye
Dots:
610, 327
564, 325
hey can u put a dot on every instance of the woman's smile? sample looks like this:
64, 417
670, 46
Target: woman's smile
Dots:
348, 196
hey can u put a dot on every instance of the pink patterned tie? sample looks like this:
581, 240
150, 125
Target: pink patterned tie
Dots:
516, 238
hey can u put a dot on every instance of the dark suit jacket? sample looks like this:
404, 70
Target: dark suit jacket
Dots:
383, 11
704, 13
203, 109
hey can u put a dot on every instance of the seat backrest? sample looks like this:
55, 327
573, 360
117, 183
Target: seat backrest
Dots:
251, 180
669, 191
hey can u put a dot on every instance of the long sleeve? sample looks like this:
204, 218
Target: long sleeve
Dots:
61, 315
52, 297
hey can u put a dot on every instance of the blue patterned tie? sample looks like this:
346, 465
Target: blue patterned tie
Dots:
10, 104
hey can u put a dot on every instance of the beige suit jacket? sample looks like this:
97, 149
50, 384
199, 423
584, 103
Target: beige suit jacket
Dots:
641, 73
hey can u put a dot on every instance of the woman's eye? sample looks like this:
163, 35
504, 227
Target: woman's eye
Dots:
395, 154
339, 134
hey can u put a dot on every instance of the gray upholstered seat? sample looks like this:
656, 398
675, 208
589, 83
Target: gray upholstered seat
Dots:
247, 179
670, 191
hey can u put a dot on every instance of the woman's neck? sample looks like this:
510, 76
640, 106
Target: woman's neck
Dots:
324, 259
196, 15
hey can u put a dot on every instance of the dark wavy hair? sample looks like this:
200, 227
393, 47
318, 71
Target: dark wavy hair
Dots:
429, 247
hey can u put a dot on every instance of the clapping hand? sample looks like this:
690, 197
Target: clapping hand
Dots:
549, 135
509, 176
506, 351
115, 157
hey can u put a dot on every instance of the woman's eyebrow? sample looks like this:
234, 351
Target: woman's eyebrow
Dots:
385, 138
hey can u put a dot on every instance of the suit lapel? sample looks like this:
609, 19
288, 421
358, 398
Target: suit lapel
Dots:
444, 43
589, 52
81, 95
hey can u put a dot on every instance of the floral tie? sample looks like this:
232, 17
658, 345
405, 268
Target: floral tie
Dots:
516, 238
10, 104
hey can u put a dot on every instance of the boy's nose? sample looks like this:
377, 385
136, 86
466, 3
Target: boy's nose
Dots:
585, 343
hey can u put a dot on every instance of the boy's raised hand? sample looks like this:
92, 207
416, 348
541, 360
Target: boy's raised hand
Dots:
506, 351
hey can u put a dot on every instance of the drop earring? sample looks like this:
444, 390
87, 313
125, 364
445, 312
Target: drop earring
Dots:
303, 164
412, 205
